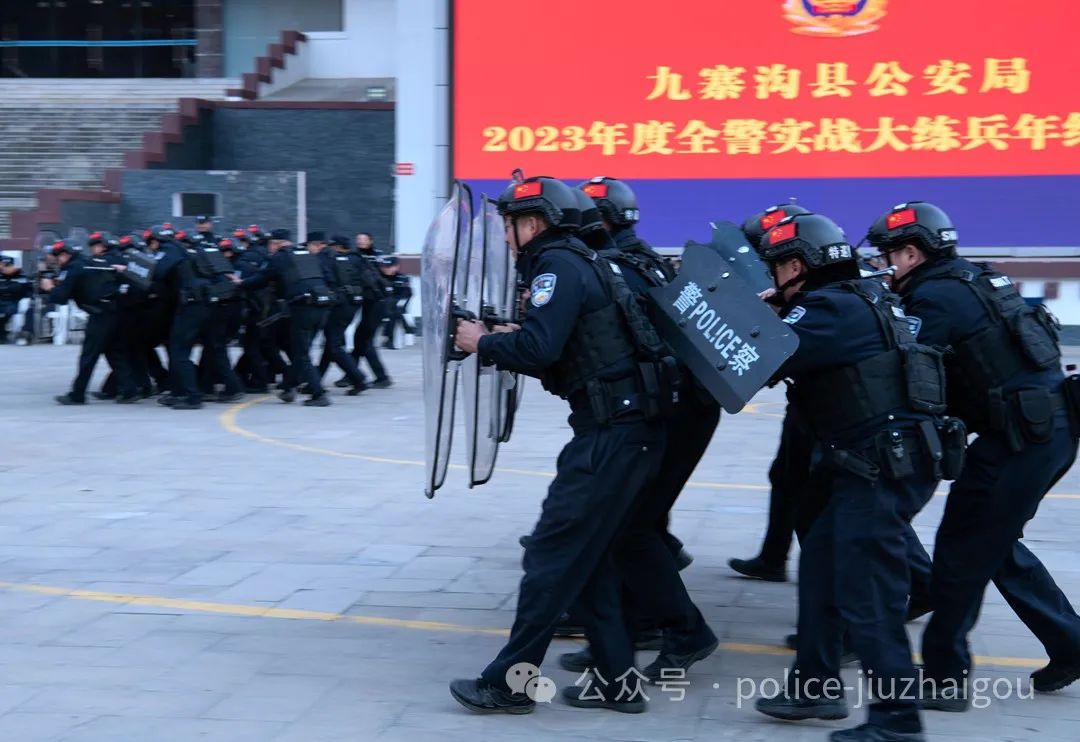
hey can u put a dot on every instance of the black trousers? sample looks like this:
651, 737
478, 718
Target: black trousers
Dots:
654, 591
854, 576
339, 318
224, 326
253, 367
100, 338
8, 310
190, 323
306, 322
364, 336
600, 474
793, 507
788, 477
979, 541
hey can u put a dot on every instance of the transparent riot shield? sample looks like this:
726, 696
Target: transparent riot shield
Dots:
487, 390
444, 270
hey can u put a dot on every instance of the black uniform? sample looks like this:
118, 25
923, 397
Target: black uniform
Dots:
254, 366
13, 288
1005, 382
376, 293
400, 294
199, 282
644, 557
92, 283
299, 279
601, 472
871, 475
345, 271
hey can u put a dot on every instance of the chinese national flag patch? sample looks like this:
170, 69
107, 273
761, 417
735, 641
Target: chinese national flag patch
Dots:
901, 218
527, 190
596, 190
769, 220
783, 233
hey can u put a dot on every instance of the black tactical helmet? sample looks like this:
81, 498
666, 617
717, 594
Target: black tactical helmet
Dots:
814, 238
615, 200
542, 195
133, 240
916, 222
99, 238
62, 246
161, 233
590, 214
756, 226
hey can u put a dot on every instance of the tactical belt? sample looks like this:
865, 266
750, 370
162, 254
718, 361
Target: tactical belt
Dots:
1027, 415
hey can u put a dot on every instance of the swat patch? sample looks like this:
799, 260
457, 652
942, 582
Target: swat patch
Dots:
795, 315
914, 325
1000, 282
542, 289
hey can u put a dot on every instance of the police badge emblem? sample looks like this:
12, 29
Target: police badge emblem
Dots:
542, 289
834, 18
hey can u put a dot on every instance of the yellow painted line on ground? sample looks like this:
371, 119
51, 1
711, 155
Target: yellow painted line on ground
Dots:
257, 611
228, 421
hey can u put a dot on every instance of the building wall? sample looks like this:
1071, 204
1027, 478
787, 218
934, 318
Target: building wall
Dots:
367, 46
264, 198
347, 155
252, 24
347, 38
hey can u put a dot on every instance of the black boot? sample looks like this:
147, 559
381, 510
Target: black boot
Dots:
484, 698
757, 569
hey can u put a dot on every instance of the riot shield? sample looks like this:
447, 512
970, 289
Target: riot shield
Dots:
729, 338
730, 243
40, 263
488, 392
140, 269
442, 292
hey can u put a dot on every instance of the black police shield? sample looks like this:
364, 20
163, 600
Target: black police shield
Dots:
140, 268
489, 393
442, 290
730, 243
715, 323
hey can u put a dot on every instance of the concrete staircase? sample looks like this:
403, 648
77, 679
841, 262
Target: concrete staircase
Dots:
65, 133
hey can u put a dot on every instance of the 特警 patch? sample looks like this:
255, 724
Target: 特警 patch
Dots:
795, 315
542, 289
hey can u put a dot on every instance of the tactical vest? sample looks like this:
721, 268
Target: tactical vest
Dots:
906, 376
13, 288
304, 281
350, 278
99, 282
140, 269
1020, 339
617, 332
212, 265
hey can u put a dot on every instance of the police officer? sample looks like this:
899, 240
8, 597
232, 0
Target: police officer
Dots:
299, 279
253, 367
870, 395
14, 287
1005, 382
346, 270
791, 467
204, 227
399, 295
376, 293
577, 339
200, 277
617, 212
227, 317
649, 566
92, 283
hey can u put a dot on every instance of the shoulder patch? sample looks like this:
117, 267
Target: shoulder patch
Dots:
542, 289
795, 315
1000, 282
914, 325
